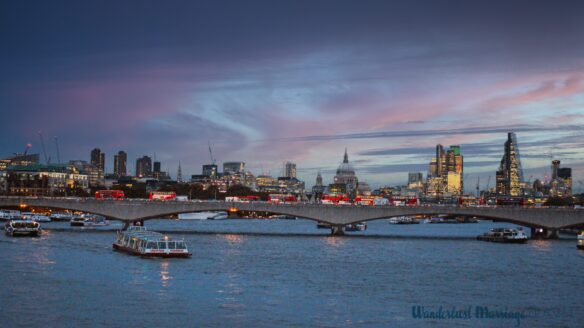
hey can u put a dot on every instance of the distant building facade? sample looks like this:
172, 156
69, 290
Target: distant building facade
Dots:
290, 170
144, 167
233, 168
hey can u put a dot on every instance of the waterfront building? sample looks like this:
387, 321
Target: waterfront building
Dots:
233, 168
144, 167
290, 170
120, 163
19, 159
44, 180
267, 183
509, 177
94, 174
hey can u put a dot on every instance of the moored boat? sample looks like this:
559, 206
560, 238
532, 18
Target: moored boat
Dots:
56, 216
77, 221
95, 221
322, 225
22, 228
35, 217
139, 241
504, 235
580, 242
403, 220
359, 226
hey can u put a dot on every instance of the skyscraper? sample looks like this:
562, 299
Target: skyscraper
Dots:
98, 159
120, 161
510, 173
445, 172
290, 170
144, 166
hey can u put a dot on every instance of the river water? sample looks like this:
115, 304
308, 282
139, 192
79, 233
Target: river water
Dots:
286, 273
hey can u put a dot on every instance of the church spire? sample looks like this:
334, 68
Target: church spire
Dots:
179, 174
346, 158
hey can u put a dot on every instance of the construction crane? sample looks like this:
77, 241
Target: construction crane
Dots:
211, 154
488, 183
26, 148
58, 154
47, 159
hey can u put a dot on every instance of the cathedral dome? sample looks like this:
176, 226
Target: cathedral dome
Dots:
345, 169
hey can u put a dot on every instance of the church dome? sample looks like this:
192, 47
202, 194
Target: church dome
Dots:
345, 168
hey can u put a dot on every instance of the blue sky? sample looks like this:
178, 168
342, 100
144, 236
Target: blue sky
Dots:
269, 82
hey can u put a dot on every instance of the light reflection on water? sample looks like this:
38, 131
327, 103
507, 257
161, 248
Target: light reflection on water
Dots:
334, 241
165, 275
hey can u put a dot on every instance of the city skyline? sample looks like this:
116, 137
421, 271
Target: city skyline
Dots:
386, 80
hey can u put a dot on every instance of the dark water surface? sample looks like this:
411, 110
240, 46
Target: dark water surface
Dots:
281, 273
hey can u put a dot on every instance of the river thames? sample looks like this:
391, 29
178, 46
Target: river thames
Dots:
286, 273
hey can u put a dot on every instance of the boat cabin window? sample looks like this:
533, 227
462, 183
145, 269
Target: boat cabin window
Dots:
180, 245
172, 245
162, 245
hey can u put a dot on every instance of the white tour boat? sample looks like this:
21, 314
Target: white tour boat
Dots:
22, 228
580, 243
504, 235
35, 217
138, 240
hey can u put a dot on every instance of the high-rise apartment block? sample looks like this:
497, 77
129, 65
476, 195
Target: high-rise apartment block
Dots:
144, 166
120, 163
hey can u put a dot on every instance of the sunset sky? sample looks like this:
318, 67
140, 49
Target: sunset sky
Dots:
269, 81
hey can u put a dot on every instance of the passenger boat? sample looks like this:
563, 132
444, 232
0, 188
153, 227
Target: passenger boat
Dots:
94, 221
77, 221
443, 220
580, 243
322, 225
10, 215
360, 226
22, 228
504, 235
138, 240
35, 217
403, 220
56, 216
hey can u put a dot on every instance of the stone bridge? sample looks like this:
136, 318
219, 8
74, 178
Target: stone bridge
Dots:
129, 210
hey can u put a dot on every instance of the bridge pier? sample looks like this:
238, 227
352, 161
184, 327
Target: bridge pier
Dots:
337, 230
544, 233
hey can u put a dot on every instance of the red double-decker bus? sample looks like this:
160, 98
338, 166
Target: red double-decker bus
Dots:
109, 194
281, 199
242, 199
162, 195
